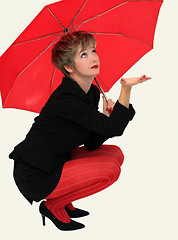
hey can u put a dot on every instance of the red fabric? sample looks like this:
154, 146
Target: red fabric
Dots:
70, 206
124, 31
88, 174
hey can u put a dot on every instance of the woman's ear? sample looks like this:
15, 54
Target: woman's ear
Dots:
69, 69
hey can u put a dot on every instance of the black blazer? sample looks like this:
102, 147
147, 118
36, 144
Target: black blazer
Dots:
69, 119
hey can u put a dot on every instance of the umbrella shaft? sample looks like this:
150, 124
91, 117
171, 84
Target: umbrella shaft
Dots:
101, 90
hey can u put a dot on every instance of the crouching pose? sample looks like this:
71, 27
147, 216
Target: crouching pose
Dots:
51, 164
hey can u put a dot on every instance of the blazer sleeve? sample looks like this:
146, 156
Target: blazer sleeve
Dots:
80, 112
95, 141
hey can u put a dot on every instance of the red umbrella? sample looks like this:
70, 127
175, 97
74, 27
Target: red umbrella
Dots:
124, 31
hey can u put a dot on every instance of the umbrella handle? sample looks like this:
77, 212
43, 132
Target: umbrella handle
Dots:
101, 90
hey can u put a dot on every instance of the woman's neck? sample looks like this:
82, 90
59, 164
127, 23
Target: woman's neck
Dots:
84, 83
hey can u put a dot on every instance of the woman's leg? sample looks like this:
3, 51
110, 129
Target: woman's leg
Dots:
103, 150
81, 178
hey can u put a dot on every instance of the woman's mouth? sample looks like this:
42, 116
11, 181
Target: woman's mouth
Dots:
95, 66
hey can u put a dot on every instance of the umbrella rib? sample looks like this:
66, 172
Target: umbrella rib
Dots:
119, 5
52, 34
37, 57
27, 67
76, 15
56, 18
118, 34
51, 82
6, 98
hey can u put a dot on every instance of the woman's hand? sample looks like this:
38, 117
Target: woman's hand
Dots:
129, 82
107, 106
124, 98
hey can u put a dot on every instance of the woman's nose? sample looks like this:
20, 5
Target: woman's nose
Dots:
94, 57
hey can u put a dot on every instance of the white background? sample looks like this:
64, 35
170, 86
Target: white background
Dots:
143, 203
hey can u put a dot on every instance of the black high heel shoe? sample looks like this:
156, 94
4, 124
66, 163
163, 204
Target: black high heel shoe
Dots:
76, 213
72, 225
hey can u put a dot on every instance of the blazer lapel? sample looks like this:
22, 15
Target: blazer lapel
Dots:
70, 86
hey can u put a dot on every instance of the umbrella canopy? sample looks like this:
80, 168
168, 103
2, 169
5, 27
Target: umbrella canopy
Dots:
124, 31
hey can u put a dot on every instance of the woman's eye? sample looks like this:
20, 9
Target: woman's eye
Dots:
94, 51
83, 55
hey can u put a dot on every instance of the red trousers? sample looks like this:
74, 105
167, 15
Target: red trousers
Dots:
85, 174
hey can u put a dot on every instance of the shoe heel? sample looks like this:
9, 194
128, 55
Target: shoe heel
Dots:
72, 225
43, 220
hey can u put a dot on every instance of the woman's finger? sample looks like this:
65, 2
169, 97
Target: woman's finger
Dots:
110, 107
104, 101
105, 104
111, 103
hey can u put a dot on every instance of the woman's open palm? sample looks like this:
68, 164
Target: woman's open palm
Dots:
129, 82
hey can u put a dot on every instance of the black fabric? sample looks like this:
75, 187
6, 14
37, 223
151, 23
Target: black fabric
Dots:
70, 118
33, 183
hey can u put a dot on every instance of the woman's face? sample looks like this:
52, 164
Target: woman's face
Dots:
87, 62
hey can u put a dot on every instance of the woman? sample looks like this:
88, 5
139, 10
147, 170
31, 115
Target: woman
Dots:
50, 163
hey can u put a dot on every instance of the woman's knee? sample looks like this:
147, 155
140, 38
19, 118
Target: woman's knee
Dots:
115, 152
109, 169
115, 168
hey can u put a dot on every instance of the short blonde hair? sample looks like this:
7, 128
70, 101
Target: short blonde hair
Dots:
65, 49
